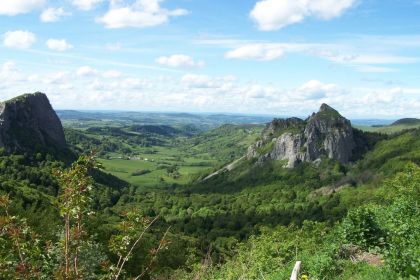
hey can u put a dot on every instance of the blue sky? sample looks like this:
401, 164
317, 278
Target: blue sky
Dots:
282, 57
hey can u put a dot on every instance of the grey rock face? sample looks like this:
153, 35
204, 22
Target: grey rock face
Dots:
287, 147
253, 149
28, 122
324, 134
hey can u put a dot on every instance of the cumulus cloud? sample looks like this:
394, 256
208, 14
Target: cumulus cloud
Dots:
140, 14
53, 14
86, 71
133, 83
315, 89
366, 58
126, 84
204, 81
9, 72
262, 52
112, 74
15, 7
19, 39
340, 54
58, 78
179, 60
85, 5
59, 45
274, 14
257, 91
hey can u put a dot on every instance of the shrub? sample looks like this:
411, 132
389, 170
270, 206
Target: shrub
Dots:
361, 228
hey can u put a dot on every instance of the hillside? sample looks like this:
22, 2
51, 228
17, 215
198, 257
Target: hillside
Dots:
407, 121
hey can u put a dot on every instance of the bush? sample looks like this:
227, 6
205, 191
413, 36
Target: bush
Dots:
140, 172
361, 228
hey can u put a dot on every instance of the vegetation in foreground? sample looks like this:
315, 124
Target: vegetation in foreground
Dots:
374, 240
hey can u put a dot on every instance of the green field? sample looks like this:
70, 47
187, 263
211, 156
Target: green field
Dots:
156, 163
160, 155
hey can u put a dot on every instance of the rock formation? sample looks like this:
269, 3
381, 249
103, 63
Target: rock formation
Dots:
324, 134
29, 123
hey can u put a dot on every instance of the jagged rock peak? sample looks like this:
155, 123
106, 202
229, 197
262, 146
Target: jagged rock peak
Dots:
326, 112
28, 123
325, 107
324, 134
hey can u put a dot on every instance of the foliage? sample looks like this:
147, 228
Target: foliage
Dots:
21, 256
25, 255
361, 227
74, 207
390, 231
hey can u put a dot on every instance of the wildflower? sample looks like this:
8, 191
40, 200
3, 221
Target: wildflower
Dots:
304, 276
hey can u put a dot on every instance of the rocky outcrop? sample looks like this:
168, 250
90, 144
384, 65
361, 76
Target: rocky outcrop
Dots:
324, 134
29, 123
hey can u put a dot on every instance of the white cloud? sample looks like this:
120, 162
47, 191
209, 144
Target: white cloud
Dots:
86, 71
58, 78
179, 60
19, 39
9, 72
346, 55
97, 85
53, 14
59, 45
375, 69
112, 74
134, 83
15, 7
204, 81
140, 14
257, 91
367, 58
127, 84
315, 89
86, 5
262, 52
274, 14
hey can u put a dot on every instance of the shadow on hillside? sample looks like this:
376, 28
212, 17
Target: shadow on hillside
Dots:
243, 224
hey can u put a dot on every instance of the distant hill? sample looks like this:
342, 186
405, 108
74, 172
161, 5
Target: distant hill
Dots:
190, 123
407, 121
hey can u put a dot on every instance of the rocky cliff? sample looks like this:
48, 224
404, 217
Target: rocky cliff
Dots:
324, 134
29, 123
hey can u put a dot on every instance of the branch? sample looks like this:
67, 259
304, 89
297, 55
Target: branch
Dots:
161, 244
134, 245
